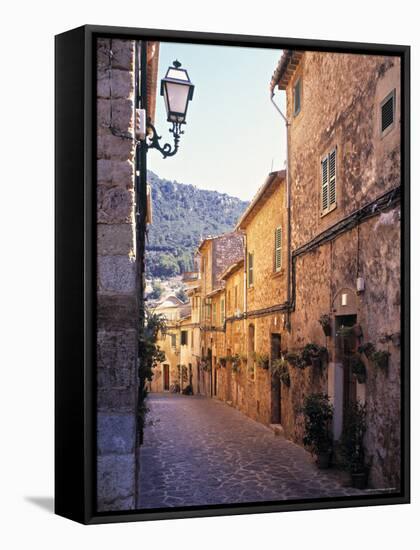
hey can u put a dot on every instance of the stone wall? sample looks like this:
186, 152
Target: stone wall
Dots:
340, 107
117, 308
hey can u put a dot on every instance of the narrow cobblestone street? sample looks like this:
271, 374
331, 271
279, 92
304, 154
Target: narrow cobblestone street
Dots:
199, 451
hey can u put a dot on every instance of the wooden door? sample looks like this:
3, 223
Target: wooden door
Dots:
346, 346
165, 377
275, 381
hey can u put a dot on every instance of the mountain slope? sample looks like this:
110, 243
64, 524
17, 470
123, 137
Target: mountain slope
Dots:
182, 215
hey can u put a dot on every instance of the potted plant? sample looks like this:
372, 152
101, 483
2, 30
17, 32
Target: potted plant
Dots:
314, 355
262, 360
205, 364
325, 323
296, 360
380, 359
279, 368
357, 331
236, 363
318, 413
345, 332
367, 349
352, 444
396, 339
358, 368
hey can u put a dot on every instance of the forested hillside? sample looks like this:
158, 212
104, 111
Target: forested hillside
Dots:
182, 215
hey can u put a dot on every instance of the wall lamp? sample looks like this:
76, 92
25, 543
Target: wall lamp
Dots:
177, 91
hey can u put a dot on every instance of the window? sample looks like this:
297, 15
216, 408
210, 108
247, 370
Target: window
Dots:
222, 311
236, 296
173, 340
388, 112
192, 338
250, 269
297, 92
184, 337
277, 249
328, 182
214, 314
228, 300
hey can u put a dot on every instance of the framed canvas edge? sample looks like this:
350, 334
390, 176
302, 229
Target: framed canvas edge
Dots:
88, 515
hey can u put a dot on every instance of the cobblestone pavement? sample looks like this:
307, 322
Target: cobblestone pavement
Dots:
200, 451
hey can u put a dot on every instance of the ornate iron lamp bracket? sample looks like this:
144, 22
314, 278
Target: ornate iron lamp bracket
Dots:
167, 150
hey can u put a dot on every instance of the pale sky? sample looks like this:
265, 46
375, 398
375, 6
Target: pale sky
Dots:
233, 137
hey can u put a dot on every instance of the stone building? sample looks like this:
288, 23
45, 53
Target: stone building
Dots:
263, 225
118, 286
214, 255
180, 367
168, 373
343, 112
231, 388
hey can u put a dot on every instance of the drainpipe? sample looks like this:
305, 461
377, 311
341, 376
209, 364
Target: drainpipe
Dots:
289, 230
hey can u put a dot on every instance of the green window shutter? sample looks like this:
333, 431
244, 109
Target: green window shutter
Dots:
222, 311
332, 177
324, 184
278, 246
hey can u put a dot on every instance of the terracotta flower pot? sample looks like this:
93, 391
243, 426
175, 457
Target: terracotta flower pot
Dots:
327, 330
359, 480
323, 460
316, 362
357, 331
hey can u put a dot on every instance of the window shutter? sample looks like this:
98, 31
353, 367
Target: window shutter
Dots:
278, 245
250, 269
332, 172
324, 187
387, 112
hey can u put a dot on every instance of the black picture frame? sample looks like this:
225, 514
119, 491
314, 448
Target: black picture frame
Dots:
75, 272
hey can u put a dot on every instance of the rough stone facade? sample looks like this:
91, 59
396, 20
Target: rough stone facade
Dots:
117, 307
340, 108
180, 344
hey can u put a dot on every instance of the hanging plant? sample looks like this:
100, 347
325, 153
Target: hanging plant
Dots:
358, 368
380, 359
222, 361
205, 365
279, 368
296, 360
236, 363
367, 349
325, 322
314, 355
357, 331
345, 332
262, 360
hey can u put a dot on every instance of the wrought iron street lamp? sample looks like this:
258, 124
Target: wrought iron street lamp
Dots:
177, 91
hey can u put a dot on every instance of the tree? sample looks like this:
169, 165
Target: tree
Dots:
157, 291
167, 266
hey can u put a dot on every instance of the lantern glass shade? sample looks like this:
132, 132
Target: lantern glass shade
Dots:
177, 91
